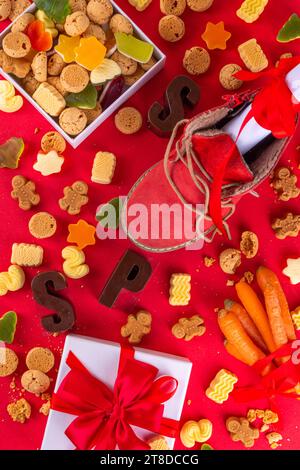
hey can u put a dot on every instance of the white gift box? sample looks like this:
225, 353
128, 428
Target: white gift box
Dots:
76, 141
101, 358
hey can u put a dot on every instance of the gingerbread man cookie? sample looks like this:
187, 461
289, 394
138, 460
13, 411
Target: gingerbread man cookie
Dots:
288, 226
241, 430
188, 328
284, 183
24, 191
137, 326
75, 197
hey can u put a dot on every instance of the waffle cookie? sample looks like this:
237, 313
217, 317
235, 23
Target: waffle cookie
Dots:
253, 56
221, 386
251, 10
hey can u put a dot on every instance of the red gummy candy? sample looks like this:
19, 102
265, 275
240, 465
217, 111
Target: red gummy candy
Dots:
40, 39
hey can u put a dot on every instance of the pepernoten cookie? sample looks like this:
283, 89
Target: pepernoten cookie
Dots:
227, 79
35, 381
171, 28
55, 65
199, 5
5, 9
49, 99
18, 67
73, 121
172, 7
56, 83
8, 362
120, 24
127, 65
53, 141
74, 78
16, 45
17, 8
92, 114
40, 359
76, 23
131, 79
78, 5
42, 225
196, 60
95, 30
39, 67
29, 83
19, 411
128, 120
100, 11
22, 23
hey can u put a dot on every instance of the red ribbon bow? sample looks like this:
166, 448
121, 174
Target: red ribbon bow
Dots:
279, 382
104, 417
273, 108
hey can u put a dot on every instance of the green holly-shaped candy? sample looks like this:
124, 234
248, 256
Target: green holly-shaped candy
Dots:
8, 325
290, 30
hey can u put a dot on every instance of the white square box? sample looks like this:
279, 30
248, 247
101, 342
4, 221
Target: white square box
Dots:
76, 141
101, 358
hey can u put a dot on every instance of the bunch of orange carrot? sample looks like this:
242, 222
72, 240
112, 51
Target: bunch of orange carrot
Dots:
251, 329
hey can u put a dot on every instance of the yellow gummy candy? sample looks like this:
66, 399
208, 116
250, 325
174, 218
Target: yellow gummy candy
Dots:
74, 266
90, 53
11, 280
66, 47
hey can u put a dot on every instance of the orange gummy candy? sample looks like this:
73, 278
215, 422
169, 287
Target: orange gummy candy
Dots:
40, 39
216, 36
82, 233
90, 53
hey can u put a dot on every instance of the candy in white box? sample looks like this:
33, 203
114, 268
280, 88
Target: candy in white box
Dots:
99, 371
76, 141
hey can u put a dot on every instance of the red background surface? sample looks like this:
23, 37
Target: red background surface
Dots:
134, 155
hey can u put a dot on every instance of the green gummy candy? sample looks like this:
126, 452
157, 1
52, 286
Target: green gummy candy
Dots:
108, 216
206, 447
290, 30
10, 153
8, 325
86, 99
134, 48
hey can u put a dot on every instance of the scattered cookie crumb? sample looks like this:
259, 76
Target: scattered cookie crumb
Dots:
249, 244
19, 410
230, 260
274, 439
208, 261
248, 276
45, 408
36, 130
230, 283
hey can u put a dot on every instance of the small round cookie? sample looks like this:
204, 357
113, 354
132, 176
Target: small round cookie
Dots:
76, 23
73, 120
30, 84
97, 31
55, 81
40, 359
55, 65
21, 24
149, 64
8, 362
5, 9
120, 24
128, 120
16, 45
100, 11
172, 7
196, 60
128, 66
74, 78
77, 5
199, 5
92, 114
39, 67
230, 260
42, 225
131, 79
35, 381
53, 141
17, 8
171, 28
227, 80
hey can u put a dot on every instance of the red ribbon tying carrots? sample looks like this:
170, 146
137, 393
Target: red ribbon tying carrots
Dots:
104, 417
273, 108
279, 382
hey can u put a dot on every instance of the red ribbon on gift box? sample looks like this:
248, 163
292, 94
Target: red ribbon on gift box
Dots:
103, 416
280, 382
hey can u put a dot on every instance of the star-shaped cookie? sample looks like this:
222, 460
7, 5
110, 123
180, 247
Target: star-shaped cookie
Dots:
293, 270
216, 36
82, 233
48, 163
